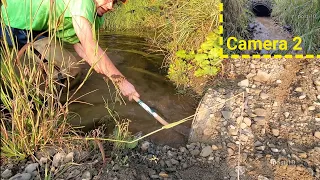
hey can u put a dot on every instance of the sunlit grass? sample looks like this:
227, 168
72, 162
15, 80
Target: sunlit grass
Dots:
304, 18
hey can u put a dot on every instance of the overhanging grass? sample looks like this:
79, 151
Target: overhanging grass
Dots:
304, 18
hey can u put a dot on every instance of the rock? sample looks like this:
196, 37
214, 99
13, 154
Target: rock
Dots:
116, 167
264, 96
31, 167
317, 134
276, 132
257, 143
206, 151
243, 125
317, 82
6, 174
311, 108
260, 112
247, 121
241, 170
275, 150
278, 81
183, 149
58, 159
252, 26
260, 177
184, 165
286, 114
303, 155
244, 83
145, 145
163, 175
73, 174
298, 89
168, 163
214, 147
69, 157
174, 162
154, 176
43, 161
86, 175
262, 76
302, 96
23, 176
318, 97
261, 148
226, 114
230, 151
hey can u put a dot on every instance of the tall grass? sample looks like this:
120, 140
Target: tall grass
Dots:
32, 116
304, 18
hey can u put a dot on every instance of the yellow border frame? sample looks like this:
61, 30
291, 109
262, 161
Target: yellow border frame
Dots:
233, 56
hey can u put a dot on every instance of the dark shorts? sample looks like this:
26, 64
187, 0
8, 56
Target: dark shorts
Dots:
20, 36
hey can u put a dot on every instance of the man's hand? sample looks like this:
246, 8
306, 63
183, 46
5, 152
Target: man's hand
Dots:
128, 90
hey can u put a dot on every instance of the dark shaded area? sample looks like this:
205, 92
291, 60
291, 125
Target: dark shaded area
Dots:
261, 10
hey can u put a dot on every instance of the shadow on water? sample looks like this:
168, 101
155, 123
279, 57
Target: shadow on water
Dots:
143, 71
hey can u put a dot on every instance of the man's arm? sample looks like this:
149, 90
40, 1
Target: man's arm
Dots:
89, 49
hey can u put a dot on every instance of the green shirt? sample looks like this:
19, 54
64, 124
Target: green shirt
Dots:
41, 16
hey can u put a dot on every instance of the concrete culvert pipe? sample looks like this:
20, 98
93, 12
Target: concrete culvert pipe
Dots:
261, 8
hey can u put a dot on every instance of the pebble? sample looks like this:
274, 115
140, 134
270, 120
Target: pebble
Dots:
174, 162
261, 148
318, 97
244, 83
303, 155
86, 175
230, 151
298, 89
31, 167
264, 96
145, 145
275, 150
43, 161
243, 125
195, 152
247, 121
317, 134
302, 96
163, 175
6, 174
206, 151
286, 114
261, 76
23, 176
278, 81
58, 159
311, 108
260, 177
226, 114
214, 147
69, 157
275, 132
260, 112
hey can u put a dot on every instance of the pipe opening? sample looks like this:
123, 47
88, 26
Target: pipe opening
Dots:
261, 10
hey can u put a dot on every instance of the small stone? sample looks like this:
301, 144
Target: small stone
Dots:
286, 114
206, 151
86, 175
262, 76
317, 134
214, 147
318, 97
317, 82
230, 151
58, 159
247, 121
23, 176
311, 108
183, 149
163, 175
298, 89
31, 167
278, 81
260, 177
257, 143
116, 167
261, 148
154, 176
6, 174
243, 138
260, 112
195, 152
244, 83
241, 170
69, 157
275, 132
174, 162
303, 155
275, 150
226, 114
264, 96
145, 146
243, 125
43, 161
302, 96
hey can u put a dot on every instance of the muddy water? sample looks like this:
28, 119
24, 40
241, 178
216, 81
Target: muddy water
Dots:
143, 71
267, 29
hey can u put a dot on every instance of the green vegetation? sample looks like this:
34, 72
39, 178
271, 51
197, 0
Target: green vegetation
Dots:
304, 18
